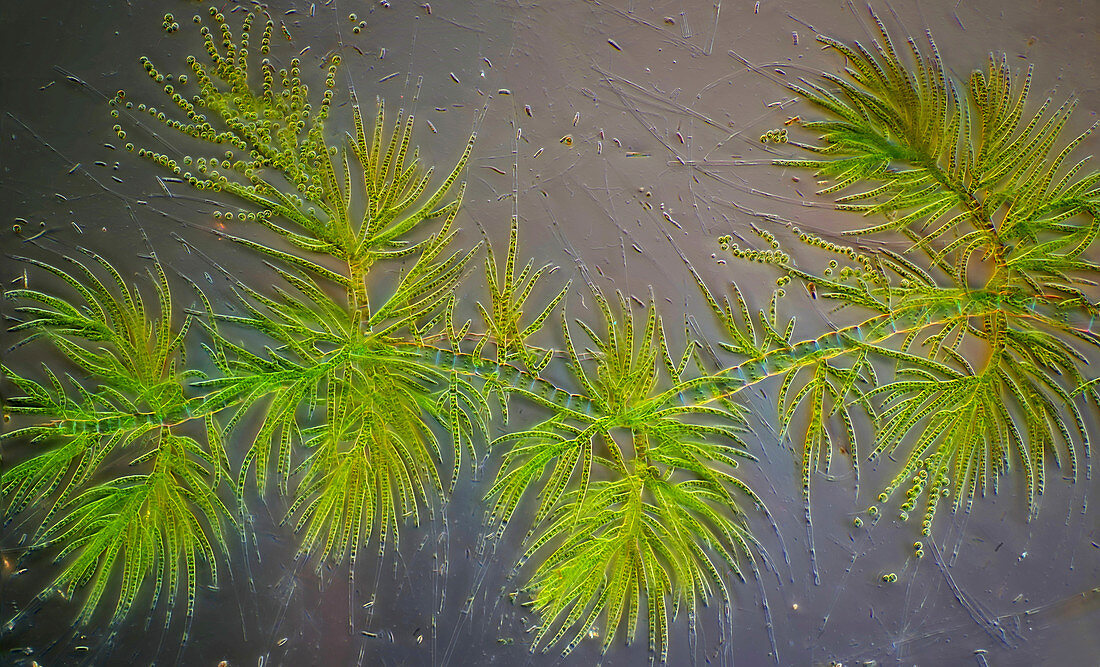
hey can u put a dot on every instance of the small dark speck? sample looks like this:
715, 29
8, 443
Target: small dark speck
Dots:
1096, 545
999, 547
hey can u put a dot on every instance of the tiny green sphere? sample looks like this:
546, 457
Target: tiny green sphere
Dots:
857, 522
889, 577
919, 553
872, 510
130, 147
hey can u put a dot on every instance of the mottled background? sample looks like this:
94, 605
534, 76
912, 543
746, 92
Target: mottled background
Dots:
657, 88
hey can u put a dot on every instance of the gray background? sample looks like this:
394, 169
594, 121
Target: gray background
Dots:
1010, 592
